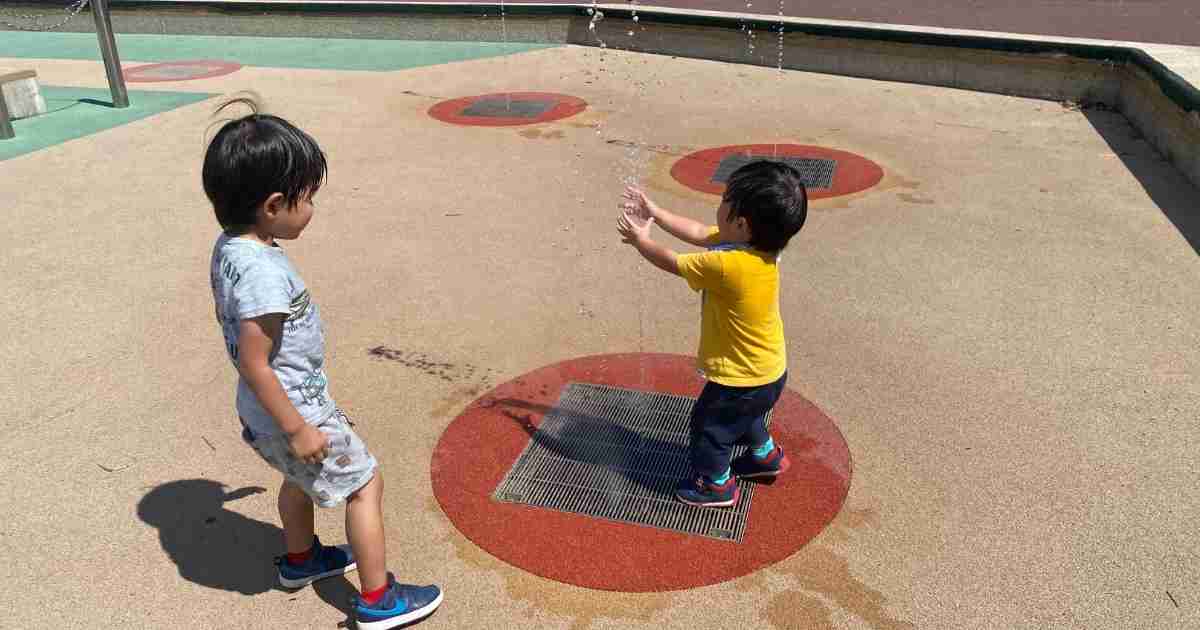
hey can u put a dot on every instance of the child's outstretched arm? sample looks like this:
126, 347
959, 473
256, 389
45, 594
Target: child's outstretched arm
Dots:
635, 230
256, 338
685, 229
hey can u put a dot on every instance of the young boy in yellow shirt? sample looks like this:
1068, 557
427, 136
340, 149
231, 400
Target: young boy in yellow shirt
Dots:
742, 354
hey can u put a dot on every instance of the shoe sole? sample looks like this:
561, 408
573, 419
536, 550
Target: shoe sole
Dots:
400, 620
302, 582
760, 475
729, 503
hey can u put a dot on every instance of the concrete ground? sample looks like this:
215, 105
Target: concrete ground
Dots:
1004, 330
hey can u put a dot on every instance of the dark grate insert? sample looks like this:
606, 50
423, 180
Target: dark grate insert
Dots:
814, 172
617, 454
498, 107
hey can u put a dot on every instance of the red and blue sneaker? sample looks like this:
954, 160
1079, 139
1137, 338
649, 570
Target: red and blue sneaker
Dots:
701, 492
748, 466
401, 604
323, 562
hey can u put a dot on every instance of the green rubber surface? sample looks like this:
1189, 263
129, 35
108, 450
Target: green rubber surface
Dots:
73, 113
275, 52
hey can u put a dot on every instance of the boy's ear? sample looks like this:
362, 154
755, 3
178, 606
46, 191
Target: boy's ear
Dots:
274, 205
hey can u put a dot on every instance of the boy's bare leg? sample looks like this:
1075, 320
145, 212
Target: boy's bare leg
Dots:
296, 513
364, 528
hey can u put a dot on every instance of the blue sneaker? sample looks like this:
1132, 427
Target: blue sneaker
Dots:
324, 562
401, 604
701, 492
750, 467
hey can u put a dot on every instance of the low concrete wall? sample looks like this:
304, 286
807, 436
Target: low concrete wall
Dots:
1174, 131
1046, 75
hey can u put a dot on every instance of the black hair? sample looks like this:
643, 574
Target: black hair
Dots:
251, 158
772, 198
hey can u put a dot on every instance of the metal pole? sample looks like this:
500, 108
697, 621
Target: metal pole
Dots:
6, 128
108, 50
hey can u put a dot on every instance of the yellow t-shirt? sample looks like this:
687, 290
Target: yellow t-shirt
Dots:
741, 332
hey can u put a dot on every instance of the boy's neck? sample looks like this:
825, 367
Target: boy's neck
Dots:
256, 235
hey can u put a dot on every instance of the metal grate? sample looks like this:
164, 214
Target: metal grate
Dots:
618, 454
814, 172
496, 107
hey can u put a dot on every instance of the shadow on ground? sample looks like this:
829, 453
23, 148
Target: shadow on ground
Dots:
219, 548
1166, 185
603, 443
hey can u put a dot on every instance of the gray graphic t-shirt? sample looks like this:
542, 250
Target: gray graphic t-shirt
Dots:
250, 279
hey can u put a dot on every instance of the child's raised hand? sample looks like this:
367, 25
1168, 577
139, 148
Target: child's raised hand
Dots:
633, 227
637, 203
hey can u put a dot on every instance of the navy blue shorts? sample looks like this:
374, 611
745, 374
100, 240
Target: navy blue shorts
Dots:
726, 416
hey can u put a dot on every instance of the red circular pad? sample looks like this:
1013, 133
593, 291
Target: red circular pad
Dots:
481, 445
562, 106
180, 71
854, 173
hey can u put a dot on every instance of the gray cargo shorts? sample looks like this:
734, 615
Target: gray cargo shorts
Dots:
347, 468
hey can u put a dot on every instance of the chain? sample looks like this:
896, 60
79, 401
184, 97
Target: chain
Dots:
72, 10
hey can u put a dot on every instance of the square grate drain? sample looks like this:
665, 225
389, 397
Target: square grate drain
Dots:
618, 454
495, 107
814, 172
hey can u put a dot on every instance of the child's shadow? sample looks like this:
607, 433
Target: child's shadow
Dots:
221, 549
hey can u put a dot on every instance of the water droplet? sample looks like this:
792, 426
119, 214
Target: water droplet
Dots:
630, 33
635, 18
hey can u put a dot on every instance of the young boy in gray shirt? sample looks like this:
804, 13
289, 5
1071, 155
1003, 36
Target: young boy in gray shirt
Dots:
261, 173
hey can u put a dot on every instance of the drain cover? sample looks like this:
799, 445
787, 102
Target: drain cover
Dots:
168, 71
617, 454
814, 172
185, 70
501, 108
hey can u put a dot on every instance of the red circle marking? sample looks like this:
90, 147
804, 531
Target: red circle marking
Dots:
452, 111
481, 445
854, 173
189, 70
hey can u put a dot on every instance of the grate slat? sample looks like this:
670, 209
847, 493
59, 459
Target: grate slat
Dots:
499, 107
814, 172
616, 454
